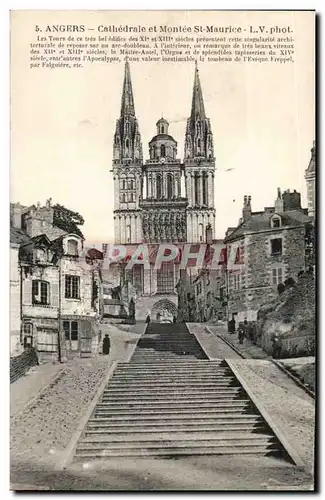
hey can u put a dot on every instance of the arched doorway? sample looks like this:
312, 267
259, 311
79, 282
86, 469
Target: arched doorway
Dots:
163, 311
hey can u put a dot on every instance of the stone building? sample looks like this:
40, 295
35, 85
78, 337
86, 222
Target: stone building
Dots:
271, 248
162, 199
16, 347
202, 292
58, 286
310, 176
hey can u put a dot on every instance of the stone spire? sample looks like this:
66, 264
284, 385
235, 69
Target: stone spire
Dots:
127, 139
312, 163
198, 137
127, 105
198, 111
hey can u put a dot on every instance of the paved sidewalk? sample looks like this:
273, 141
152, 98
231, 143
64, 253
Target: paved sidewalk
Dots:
28, 386
291, 409
213, 346
248, 349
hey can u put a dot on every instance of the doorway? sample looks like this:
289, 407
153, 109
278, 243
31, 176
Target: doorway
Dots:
71, 332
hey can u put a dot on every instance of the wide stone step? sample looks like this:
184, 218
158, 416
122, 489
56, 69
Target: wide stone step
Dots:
190, 405
99, 444
166, 394
189, 362
172, 411
176, 384
184, 398
167, 365
255, 450
170, 372
175, 437
168, 381
170, 420
242, 426
219, 393
172, 389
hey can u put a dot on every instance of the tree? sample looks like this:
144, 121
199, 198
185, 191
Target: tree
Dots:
67, 220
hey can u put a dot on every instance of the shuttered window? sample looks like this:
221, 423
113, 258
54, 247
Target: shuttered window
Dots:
40, 292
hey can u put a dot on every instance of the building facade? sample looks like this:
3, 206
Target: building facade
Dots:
58, 288
162, 199
271, 248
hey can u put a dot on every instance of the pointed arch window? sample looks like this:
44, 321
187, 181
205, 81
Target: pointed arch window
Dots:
200, 232
199, 145
205, 189
127, 128
159, 186
196, 189
169, 186
128, 233
127, 143
163, 150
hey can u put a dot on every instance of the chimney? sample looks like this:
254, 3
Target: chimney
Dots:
208, 234
291, 201
278, 204
247, 210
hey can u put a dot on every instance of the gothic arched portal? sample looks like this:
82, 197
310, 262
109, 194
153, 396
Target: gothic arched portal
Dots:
163, 310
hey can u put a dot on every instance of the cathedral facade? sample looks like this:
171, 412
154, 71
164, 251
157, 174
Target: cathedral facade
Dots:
162, 199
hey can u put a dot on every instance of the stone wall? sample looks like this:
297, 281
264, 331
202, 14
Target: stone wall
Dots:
19, 365
292, 315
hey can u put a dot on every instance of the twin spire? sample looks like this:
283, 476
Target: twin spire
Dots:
127, 104
197, 111
198, 136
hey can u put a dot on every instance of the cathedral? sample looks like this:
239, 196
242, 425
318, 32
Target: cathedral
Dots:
161, 199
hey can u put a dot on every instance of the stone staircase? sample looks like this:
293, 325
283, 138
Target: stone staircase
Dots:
170, 401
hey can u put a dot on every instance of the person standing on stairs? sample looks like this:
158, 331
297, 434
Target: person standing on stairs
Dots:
106, 344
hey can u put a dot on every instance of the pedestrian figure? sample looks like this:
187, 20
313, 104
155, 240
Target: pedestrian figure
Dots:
106, 344
174, 319
232, 325
241, 335
246, 332
276, 346
148, 319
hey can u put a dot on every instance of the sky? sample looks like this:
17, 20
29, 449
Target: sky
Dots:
63, 120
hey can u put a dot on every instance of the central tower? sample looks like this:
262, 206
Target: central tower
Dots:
199, 165
163, 207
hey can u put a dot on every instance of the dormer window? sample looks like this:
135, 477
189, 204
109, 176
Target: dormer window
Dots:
72, 247
40, 255
276, 221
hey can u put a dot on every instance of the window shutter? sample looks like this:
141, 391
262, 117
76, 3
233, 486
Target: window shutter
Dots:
27, 292
54, 298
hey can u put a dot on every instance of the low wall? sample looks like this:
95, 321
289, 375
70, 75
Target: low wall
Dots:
20, 364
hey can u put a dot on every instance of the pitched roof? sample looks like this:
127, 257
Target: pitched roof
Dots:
261, 221
18, 236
